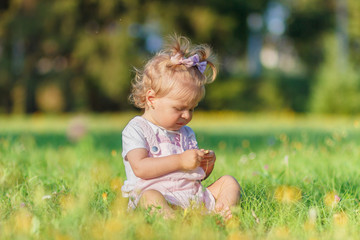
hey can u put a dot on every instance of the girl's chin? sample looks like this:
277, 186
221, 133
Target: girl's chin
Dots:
174, 128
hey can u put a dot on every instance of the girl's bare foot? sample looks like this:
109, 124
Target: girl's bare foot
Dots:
223, 211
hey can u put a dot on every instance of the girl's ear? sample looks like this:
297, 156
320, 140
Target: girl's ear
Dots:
150, 96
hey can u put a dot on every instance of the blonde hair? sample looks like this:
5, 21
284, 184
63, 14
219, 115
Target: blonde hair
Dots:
162, 73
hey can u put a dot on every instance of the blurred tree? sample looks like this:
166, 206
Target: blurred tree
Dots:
354, 31
337, 90
80, 47
306, 25
79, 54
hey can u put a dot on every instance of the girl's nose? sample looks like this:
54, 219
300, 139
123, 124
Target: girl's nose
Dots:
186, 114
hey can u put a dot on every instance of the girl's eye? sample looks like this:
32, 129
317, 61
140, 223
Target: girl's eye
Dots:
183, 109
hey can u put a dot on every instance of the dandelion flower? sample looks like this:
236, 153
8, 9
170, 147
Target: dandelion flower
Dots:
104, 196
67, 202
356, 124
297, 145
282, 232
331, 199
232, 224
116, 184
113, 153
340, 219
119, 206
23, 221
287, 194
238, 235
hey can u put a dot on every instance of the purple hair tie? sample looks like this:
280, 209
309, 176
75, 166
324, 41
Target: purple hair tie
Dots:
191, 62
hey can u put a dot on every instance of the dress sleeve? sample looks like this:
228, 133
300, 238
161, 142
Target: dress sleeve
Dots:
132, 138
192, 143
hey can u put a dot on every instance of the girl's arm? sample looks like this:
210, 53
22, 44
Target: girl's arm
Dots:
146, 167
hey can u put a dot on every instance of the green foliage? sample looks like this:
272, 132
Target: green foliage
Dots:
78, 55
337, 89
226, 93
272, 92
354, 30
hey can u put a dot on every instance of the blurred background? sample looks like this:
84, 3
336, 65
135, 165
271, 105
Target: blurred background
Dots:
281, 55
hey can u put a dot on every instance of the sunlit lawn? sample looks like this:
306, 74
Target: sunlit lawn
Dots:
60, 178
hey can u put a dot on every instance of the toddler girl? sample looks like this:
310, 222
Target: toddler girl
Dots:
164, 166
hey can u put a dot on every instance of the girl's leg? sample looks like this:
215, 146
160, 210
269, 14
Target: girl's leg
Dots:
226, 191
154, 199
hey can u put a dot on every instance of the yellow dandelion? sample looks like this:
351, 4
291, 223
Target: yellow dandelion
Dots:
113, 153
309, 226
331, 199
101, 172
67, 202
232, 224
119, 206
23, 221
297, 145
356, 123
282, 232
116, 184
287, 194
186, 212
104, 196
340, 219
238, 235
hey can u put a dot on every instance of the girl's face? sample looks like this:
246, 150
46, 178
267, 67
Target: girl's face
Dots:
170, 112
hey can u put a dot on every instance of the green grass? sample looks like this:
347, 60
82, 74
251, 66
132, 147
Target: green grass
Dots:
55, 188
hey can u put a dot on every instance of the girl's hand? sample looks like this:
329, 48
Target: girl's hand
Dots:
191, 159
